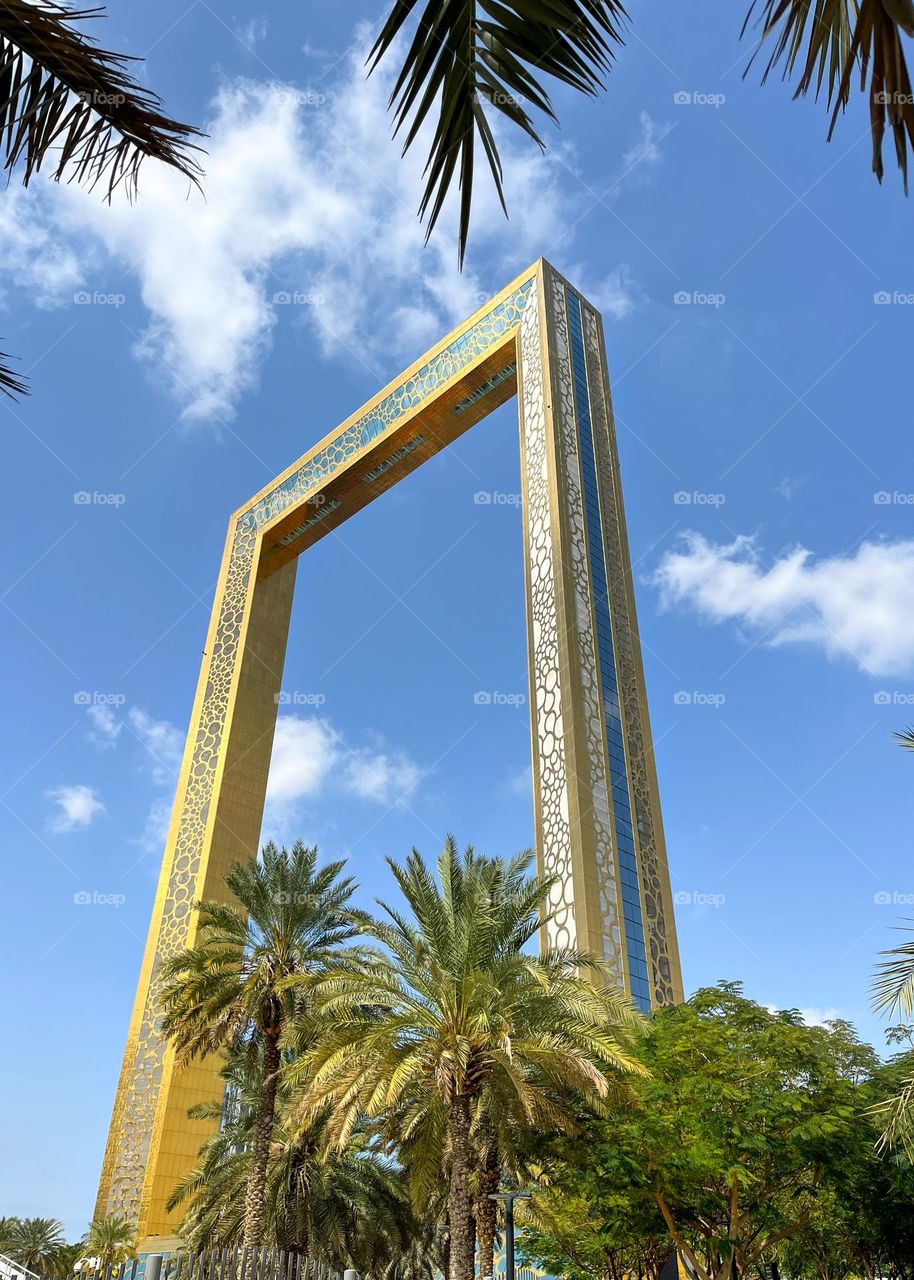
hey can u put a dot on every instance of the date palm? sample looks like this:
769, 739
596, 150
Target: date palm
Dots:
110, 1241
893, 992
344, 1208
287, 917
454, 1010
68, 103
470, 61
36, 1243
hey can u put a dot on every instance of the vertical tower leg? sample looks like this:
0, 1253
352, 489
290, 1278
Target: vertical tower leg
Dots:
216, 821
598, 820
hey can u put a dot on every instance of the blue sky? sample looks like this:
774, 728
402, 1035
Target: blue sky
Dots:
764, 438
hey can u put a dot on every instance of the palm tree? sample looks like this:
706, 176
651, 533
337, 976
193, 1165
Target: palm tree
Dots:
110, 1241
344, 1208
36, 1243
468, 57
893, 992
65, 100
287, 918
455, 1011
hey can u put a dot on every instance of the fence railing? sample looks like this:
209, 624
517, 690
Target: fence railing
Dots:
10, 1270
214, 1264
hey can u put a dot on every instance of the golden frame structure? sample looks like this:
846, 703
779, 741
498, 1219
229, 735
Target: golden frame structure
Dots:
597, 810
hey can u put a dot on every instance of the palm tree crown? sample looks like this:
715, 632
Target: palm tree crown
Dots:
454, 1011
287, 919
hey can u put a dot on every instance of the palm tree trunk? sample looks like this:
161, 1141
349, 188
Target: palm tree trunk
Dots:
486, 1211
459, 1200
255, 1200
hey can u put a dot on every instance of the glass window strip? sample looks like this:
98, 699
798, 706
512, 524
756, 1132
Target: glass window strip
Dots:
632, 918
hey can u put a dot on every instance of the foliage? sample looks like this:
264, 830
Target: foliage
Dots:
345, 1208
287, 919
467, 57
110, 1240
745, 1118
35, 1243
454, 1021
64, 99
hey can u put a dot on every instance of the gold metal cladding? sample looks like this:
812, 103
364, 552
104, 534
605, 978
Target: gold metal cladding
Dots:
516, 341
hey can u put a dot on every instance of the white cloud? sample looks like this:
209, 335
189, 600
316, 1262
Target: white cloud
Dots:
304, 752
387, 779
34, 258
104, 727
251, 33
310, 756
858, 606
163, 744
306, 195
521, 783
817, 1017
76, 806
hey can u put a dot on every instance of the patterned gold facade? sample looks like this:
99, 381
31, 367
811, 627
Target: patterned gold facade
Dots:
595, 794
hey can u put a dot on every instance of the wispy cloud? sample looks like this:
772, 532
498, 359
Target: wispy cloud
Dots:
75, 807
858, 606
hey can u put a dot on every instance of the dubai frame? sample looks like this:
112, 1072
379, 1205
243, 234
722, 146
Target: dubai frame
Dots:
598, 824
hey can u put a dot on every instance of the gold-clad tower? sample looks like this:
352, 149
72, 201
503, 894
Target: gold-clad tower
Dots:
598, 823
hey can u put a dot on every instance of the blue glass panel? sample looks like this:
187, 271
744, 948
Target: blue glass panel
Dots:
615, 742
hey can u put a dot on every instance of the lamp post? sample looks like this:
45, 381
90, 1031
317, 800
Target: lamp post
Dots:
508, 1198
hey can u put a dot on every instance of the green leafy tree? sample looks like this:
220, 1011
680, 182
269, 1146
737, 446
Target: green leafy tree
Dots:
467, 63
37, 1243
111, 1240
287, 918
745, 1116
455, 1010
65, 101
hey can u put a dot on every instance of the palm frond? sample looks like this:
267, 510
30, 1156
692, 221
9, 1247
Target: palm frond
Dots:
823, 44
893, 986
469, 55
62, 96
11, 383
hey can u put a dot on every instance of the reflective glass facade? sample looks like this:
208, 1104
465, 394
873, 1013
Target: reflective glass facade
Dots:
615, 743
